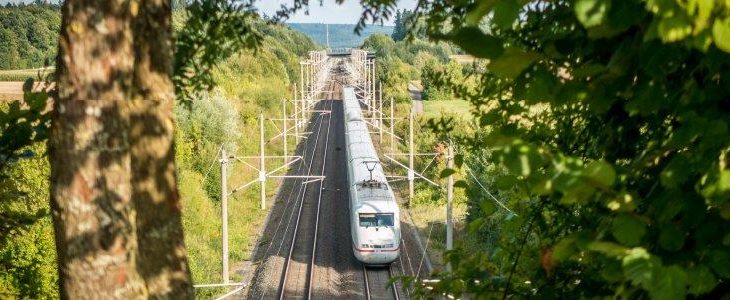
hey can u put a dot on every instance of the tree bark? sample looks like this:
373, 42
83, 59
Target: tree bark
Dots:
113, 186
162, 257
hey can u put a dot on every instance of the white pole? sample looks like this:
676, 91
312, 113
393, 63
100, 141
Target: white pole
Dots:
380, 112
286, 129
411, 175
262, 163
296, 118
224, 212
392, 123
449, 203
302, 89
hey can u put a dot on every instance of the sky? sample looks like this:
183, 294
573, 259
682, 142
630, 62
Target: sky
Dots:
329, 12
347, 13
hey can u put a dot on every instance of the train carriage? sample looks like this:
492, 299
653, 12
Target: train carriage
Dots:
374, 212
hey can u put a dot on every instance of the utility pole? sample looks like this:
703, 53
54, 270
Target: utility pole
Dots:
262, 161
380, 112
224, 211
392, 123
286, 152
296, 118
449, 202
411, 175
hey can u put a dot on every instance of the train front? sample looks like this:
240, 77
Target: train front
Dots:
377, 231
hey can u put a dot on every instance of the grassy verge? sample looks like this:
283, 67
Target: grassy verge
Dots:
435, 108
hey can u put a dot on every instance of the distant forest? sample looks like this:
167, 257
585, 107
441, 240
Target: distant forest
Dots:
341, 35
28, 35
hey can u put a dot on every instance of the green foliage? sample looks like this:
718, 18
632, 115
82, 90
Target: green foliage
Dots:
606, 127
27, 249
213, 30
403, 61
28, 35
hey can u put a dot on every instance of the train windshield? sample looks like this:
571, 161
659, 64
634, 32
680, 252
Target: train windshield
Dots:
374, 220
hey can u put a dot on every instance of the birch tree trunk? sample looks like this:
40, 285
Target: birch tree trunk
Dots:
113, 188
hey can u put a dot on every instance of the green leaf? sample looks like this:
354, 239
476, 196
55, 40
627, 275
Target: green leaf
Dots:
627, 230
640, 267
505, 13
671, 238
447, 172
600, 172
592, 12
459, 160
477, 43
674, 28
512, 62
608, 248
670, 284
675, 173
535, 86
721, 34
461, 184
474, 17
564, 249
720, 262
505, 182
701, 280
487, 207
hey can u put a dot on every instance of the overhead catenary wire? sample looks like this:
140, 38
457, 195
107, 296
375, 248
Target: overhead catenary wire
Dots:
468, 169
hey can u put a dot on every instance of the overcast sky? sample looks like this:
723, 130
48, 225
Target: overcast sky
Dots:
347, 13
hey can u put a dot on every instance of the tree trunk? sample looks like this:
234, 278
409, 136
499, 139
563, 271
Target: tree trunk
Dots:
113, 188
162, 257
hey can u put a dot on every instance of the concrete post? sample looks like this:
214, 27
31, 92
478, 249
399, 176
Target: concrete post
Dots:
285, 128
411, 175
449, 203
392, 125
224, 212
262, 162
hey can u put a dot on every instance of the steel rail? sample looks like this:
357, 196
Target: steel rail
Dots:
319, 204
393, 286
367, 282
282, 290
285, 274
318, 123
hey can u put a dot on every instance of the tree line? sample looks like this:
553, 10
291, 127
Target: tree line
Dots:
28, 35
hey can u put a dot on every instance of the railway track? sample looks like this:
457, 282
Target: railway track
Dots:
378, 285
296, 279
304, 258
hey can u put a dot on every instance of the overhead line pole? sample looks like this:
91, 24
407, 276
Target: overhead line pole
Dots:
286, 129
411, 176
449, 202
224, 212
296, 118
262, 162
392, 123
380, 112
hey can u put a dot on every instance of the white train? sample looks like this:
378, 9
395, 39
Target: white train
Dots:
374, 213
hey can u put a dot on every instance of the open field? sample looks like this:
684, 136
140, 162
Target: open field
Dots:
22, 75
11, 90
434, 109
